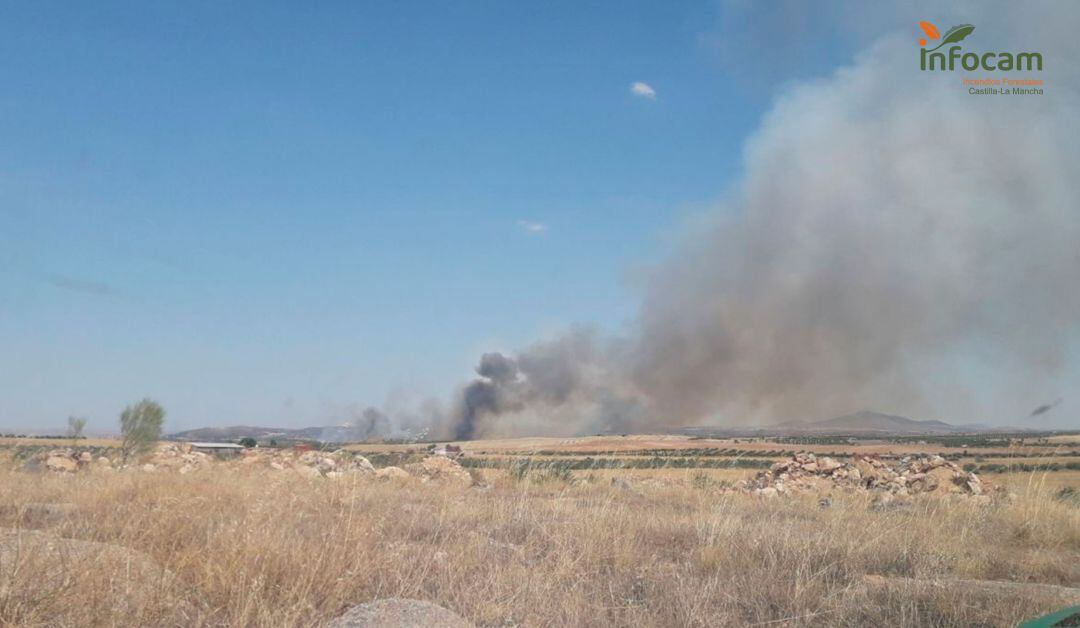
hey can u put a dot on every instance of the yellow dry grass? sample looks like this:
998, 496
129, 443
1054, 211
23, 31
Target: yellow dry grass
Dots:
58, 442
1038, 480
262, 548
1051, 458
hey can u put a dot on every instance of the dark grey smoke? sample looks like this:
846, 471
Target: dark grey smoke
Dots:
373, 423
565, 385
497, 368
1043, 409
495, 392
368, 424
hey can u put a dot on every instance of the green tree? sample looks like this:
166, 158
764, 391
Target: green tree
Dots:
248, 442
140, 425
75, 428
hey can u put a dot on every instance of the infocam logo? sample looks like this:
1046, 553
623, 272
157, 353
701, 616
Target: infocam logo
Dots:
933, 60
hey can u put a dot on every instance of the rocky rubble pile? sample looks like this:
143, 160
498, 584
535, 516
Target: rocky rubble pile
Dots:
65, 460
166, 457
176, 457
441, 470
179, 458
311, 464
392, 473
911, 475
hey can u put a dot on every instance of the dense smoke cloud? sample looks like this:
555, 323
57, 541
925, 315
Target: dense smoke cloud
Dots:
890, 232
567, 381
879, 232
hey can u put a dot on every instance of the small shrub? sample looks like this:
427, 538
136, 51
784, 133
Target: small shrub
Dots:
140, 425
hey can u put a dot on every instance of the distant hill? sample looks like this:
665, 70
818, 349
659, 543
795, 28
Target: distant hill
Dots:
234, 432
865, 422
332, 433
868, 421
324, 433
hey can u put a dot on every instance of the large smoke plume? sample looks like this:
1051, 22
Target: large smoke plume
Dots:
894, 243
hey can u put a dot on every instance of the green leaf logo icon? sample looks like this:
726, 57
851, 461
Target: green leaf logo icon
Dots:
955, 35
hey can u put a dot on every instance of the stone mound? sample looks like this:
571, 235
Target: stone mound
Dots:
399, 613
56, 460
176, 457
311, 464
440, 469
911, 475
179, 458
392, 473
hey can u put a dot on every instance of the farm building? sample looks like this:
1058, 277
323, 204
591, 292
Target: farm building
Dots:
222, 450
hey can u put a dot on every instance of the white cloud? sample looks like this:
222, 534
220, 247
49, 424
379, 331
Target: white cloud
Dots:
533, 227
644, 90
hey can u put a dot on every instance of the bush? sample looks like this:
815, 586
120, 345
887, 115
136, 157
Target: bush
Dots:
140, 425
75, 427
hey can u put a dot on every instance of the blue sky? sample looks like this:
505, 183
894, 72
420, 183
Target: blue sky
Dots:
265, 212
269, 213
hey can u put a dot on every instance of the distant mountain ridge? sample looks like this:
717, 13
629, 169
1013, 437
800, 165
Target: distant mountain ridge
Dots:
869, 421
329, 433
862, 422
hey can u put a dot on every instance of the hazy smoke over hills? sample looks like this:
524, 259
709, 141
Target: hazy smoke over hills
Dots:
889, 229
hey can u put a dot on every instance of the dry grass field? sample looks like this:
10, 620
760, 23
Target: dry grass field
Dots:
591, 445
56, 442
228, 545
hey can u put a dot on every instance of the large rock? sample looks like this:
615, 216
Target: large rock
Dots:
399, 613
943, 480
868, 473
62, 464
362, 465
348, 461
442, 470
828, 465
392, 473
